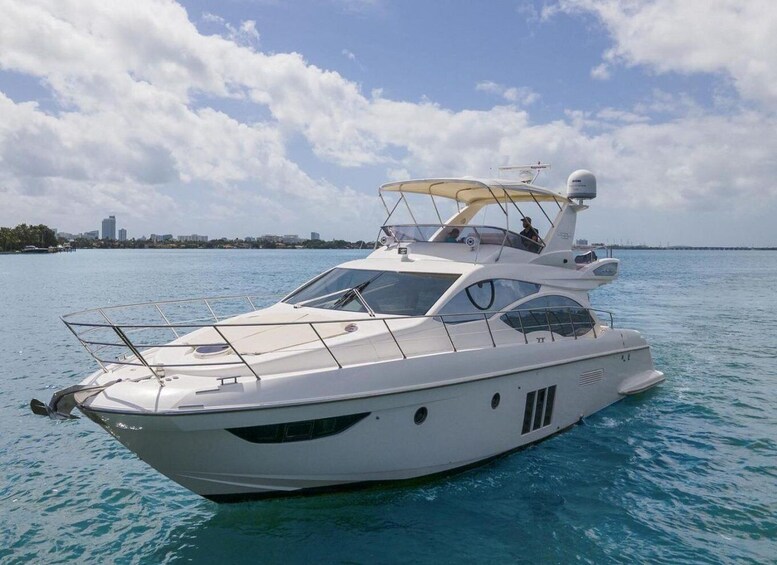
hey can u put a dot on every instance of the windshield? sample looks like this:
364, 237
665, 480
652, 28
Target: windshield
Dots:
384, 292
485, 235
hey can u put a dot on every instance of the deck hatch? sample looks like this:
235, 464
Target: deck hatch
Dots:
301, 430
538, 411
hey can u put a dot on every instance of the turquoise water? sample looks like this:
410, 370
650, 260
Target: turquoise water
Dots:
684, 473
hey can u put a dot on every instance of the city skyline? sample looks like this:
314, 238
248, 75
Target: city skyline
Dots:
232, 118
110, 233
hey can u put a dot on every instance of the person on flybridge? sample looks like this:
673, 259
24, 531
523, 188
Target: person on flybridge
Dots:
529, 236
453, 236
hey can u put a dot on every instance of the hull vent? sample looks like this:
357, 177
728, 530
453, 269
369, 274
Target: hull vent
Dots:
591, 377
538, 412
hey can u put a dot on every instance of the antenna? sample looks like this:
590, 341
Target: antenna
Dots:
527, 173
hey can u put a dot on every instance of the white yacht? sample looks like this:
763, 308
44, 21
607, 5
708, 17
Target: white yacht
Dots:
452, 343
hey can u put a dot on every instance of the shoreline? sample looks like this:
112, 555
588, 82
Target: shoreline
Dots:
368, 248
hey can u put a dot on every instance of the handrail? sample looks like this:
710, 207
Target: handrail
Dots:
80, 329
172, 301
492, 313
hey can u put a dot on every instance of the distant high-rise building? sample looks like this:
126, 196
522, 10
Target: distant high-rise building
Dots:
291, 239
122, 234
315, 236
109, 228
193, 238
91, 234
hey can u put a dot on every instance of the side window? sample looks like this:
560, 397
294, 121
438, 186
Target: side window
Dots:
491, 295
560, 314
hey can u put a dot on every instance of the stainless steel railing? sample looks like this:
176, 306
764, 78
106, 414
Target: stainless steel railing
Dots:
102, 330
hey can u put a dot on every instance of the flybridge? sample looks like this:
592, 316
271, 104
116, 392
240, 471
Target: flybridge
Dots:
518, 200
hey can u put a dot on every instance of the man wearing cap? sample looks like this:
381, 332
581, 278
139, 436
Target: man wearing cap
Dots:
529, 236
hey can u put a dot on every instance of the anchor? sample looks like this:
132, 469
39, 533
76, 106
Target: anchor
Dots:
62, 402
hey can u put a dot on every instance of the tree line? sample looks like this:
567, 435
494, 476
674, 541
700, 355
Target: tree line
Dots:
15, 239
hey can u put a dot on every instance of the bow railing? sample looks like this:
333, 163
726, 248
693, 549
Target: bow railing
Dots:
134, 334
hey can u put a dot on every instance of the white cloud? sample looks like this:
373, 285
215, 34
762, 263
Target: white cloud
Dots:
130, 137
213, 18
245, 34
669, 104
601, 72
527, 9
520, 95
130, 121
621, 116
735, 38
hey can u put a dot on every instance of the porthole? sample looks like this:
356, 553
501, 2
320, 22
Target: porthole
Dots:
420, 415
495, 400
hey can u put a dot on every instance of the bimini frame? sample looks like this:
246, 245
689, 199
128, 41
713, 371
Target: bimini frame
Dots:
474, 193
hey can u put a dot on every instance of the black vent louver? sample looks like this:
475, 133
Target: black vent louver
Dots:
538, 411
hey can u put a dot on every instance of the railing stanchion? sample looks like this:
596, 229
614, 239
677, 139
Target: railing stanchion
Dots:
523, 331
547, 319
136, 353
501, 248
233, 348
445, 326
212, 313
490, 333
571, 321
175, 332
318, 335
385, 323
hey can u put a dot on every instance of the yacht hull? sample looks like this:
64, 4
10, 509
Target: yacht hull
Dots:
400, 435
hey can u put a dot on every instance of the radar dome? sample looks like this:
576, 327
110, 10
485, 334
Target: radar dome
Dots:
581, 185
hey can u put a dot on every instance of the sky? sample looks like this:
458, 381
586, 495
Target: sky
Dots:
248, 117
